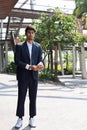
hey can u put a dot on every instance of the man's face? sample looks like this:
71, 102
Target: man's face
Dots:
30, 34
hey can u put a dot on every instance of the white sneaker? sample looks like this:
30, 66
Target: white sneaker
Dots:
32, 122
19, 123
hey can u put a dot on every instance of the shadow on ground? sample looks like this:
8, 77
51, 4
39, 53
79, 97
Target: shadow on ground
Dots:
26, 128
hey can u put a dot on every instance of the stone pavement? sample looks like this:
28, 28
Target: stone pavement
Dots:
58, 107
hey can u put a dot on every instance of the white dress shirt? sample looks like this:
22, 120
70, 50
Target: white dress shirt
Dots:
29, 48
30, 52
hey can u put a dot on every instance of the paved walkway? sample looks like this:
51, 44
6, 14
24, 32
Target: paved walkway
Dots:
58, 107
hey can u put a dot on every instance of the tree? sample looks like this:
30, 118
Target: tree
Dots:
78, 41
81, 8
55, 29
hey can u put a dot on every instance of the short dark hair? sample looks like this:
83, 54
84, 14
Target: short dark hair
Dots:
29, 28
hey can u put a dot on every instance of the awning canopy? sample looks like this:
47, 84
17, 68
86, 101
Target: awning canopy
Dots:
6, 7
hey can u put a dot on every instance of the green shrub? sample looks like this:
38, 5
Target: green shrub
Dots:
46, 75
11, 68
68, 70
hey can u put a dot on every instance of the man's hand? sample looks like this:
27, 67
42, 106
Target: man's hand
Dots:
34, 67
40, 67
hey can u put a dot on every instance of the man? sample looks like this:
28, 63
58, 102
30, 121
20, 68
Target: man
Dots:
28, 58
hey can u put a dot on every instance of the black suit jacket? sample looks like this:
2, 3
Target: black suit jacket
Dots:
22, 58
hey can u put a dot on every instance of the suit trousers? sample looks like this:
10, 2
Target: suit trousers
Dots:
30, 84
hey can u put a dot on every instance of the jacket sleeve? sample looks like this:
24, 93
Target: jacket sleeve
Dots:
17, 57
40, 54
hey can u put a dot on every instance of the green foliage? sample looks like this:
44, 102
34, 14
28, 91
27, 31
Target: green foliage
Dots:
79, 38
10, 57
56, 28
22, 37
11, 68
69, 70
47, 75
81, 8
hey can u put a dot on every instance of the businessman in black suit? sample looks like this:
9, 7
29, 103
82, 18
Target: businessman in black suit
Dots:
28, 58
